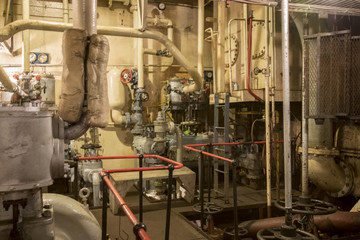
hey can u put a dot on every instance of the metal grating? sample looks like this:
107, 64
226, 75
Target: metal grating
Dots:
327, 74
355, 77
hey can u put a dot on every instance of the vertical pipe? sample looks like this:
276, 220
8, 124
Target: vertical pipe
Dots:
91, 17
139, 45
66, 11
209, 172
141, 158
267, 115
104, 210
7, 12
236, 229
221, 18
286, 103
201, 185
26, 38
304, 132
78, 13
179, 145
201, 16
168, 207
76, 179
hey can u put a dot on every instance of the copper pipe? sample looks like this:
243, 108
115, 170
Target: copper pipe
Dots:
336, 222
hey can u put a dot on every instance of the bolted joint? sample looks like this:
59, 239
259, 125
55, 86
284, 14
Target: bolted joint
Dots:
137, 227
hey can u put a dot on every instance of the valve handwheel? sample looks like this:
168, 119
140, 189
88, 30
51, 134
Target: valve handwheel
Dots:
308, 206
277, 233
126, 76
209, 208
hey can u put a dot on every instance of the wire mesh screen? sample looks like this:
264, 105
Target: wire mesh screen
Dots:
355, 77
327, 74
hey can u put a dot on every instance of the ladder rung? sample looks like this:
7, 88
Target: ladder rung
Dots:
217, 191
220, 105
220, 127
217, 170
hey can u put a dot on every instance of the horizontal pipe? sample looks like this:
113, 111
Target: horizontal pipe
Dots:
9, 30
141, 232
337, 222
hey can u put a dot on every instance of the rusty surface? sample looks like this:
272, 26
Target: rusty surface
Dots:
337, 222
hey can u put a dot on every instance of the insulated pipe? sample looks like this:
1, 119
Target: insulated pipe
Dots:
91, 17
8, 84
26, 38
179, 145
20, 25
66, 10
337, 222
76, 130
286, 106
267, 115
78, 11
95, 179
221, 18
201, 16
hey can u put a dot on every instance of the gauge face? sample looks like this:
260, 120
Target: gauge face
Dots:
162, 6
43, 58
209, 74
32, 57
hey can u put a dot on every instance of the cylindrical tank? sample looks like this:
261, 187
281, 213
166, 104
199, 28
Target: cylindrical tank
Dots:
117, 90
48, 94
26, 148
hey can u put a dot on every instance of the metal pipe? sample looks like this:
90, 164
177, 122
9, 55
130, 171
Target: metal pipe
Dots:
66, 11
304, 135
78, 12
139, 45
74, 131
249, 63
7, 12
91, 17
201, 17
179, 144
337, 222
286, 104
104, 211
201, 191
141, 159
26, 38
236, 229
20, 25
140, 232
221, 11
168, 205
8, 84
267, 116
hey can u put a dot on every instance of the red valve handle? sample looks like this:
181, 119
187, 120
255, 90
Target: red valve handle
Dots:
126, 76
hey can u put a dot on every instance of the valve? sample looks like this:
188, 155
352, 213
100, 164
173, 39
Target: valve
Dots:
285, 233
144, 96
126, 76
308, 206
209, 208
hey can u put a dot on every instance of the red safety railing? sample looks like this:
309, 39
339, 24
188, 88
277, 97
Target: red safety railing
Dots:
192, 147
139, 228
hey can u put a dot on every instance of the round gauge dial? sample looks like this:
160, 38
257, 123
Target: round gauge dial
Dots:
43, 58
162, 6
32, 57
209, 74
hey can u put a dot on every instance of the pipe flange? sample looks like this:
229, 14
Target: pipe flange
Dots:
349, 181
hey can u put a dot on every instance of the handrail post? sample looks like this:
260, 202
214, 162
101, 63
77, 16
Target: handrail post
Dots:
236, 230
104, 208
201, 186
141, 158
209, 172
76, 178
168, 207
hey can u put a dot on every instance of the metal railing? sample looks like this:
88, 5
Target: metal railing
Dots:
138, 227
192, 147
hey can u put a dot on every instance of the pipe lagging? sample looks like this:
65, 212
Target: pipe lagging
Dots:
339, 221
9, 30
76, 130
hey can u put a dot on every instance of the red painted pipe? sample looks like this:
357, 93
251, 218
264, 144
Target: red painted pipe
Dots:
141, 232
249, 61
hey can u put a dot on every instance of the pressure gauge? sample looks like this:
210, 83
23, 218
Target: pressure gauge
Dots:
209, 74
43, 58
32, 57
161, 6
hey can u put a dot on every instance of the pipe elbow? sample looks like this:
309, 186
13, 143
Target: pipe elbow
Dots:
76, 130
117, 117
197, 82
